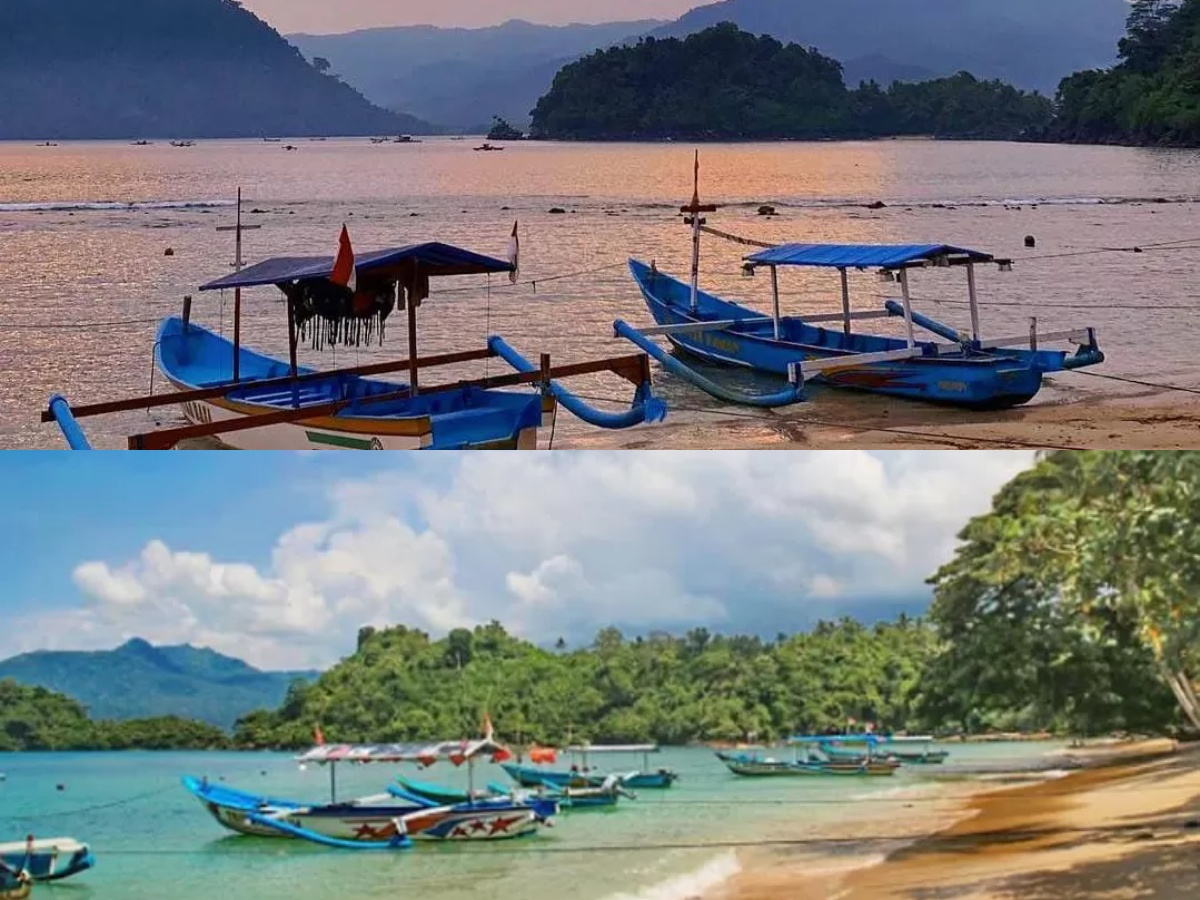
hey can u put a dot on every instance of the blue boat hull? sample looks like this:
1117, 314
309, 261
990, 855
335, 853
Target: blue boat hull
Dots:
194, 357
973, 379
50, 864
530, 777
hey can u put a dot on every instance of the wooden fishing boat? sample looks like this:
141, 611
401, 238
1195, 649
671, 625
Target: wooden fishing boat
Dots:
796, 768
251, 400
582, 771
379, 822
872, 746
48, 859
968, 371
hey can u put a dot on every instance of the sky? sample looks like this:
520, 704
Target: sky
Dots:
326, 17
279, 559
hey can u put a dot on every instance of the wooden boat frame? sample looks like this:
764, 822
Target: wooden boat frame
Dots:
772, 257
198, 401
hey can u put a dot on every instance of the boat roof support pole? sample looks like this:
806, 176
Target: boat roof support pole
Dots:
237, 296
775, 299
973, 296
845, 300
293, 339
908, 319
333, 782
695, 296
412, 332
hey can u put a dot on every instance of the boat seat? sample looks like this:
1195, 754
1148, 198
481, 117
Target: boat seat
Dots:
284, 397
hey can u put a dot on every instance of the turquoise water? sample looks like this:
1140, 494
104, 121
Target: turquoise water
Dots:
153, 840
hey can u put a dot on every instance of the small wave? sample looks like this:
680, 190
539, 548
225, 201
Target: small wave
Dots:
112, 205
690, 885
972, 203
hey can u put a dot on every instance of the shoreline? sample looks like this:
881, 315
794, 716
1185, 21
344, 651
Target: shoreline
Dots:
1157, 420
1122, 818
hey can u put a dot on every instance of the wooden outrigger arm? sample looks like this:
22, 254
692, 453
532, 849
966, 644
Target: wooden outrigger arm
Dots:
634, 368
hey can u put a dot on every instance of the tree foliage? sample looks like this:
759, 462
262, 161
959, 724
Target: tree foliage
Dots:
1080, 591
33, 718
402, 685
1152, 96
723, 83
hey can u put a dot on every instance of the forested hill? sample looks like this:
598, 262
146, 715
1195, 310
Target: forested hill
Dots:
33, 718
1152, 96
165, 68
137, 680
726, 84
1029, 43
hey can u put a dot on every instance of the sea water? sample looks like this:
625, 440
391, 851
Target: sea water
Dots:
152, 839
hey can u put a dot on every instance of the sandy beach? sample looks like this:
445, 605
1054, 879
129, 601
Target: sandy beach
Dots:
1127, 826
1150, 420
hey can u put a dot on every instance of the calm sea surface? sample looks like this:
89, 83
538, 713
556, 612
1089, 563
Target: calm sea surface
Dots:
84, 228
153, 840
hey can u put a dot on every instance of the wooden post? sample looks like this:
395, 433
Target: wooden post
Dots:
412, 332
238, 264
775, 298
187, 311
974, 299
845, 300
545, 361
293, 337
908, 321
1033, 332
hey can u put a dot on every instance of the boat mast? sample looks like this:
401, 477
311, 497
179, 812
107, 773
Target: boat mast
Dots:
238, 264
974, 299
775, 299
845, 301
412, 332
908, 319
693, 210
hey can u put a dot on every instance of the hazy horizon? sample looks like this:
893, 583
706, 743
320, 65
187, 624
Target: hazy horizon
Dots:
322, 17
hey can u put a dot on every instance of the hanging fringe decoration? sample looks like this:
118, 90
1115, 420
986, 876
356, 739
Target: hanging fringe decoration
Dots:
329, 315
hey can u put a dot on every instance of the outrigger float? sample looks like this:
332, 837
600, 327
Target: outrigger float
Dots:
253, 401
381, 822
969, 371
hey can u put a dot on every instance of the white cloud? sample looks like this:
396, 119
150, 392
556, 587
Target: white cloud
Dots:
558, 544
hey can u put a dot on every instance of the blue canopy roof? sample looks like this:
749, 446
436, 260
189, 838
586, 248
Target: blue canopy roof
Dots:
852, 256
432, 258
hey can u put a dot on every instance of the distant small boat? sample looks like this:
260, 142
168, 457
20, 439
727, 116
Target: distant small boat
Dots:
273, 140
183, 143
47, 859
489, 147
141, 143
405, 139
47, 144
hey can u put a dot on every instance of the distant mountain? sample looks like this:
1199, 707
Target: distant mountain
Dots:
462, 77
1032, 44
138, 680
166, 68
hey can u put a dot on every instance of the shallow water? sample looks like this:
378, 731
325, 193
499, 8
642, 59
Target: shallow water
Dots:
84, 228
152, 839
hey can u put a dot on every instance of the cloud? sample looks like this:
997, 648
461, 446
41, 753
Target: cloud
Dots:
559, 545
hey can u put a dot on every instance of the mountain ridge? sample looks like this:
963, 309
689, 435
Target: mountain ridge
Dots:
139, 680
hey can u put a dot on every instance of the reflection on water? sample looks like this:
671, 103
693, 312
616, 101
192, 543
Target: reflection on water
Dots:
85, 229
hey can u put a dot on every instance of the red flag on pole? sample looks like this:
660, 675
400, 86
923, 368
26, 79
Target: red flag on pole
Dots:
343, 266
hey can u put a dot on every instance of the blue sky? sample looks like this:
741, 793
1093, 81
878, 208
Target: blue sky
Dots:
280, 558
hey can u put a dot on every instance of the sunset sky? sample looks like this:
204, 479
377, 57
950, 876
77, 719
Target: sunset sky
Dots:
322, 16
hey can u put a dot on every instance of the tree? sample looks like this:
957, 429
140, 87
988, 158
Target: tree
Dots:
321, 64
1148, 38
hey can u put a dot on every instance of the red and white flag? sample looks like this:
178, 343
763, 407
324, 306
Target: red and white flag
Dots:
343, 265
514, 254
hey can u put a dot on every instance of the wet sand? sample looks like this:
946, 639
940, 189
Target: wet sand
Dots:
1125, 828
1152, 421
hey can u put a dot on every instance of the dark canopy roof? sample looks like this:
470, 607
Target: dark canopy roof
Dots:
853, 256
434, 259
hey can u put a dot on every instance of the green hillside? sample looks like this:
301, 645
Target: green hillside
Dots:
33, 718
165, 68
137, 680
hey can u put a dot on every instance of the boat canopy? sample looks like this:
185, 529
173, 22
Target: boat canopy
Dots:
837, 739
426, 754
616, 748
864, 256
433, 259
